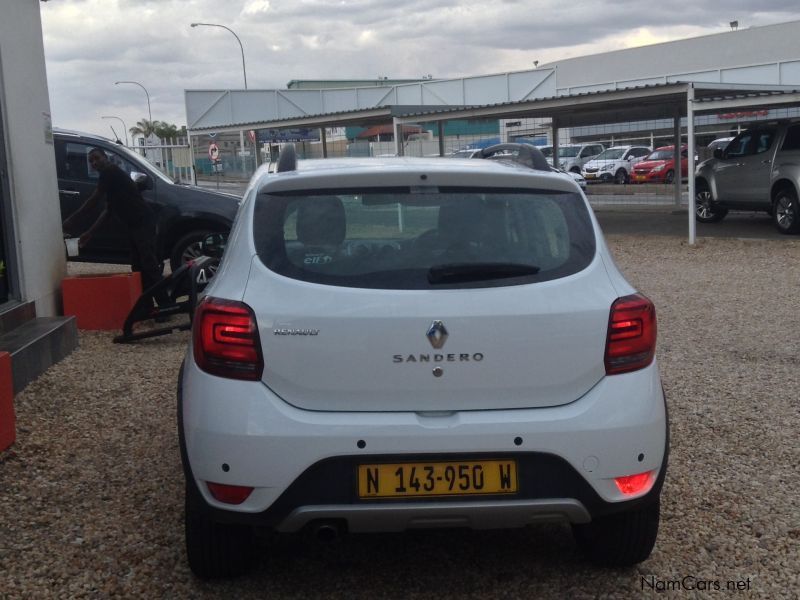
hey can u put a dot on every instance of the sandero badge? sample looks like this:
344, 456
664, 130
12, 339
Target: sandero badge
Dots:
437, 334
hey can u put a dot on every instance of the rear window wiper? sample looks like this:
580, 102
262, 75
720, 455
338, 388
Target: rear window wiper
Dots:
463, 272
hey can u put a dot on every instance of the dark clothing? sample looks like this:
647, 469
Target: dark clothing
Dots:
125, 203
143, 254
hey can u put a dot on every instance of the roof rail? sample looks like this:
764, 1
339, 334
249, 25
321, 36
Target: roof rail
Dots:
522, 153
287, 159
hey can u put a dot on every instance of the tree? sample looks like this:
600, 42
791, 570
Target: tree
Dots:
162, 129
166, 130
144, 128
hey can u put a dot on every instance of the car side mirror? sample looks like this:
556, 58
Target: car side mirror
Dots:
213, 245
718, 153
142, 181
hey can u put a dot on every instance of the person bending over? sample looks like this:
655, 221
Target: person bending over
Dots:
124, 203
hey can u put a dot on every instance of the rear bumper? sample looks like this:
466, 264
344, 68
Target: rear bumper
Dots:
303, 464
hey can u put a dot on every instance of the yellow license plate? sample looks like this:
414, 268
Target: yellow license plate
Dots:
452, 478
589, 176
640, 177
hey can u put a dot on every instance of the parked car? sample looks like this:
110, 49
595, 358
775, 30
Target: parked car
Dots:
516, 153
758, 170
572, 157
720, 143
408, 343
185, 215
614, 164
465, 153
659, 166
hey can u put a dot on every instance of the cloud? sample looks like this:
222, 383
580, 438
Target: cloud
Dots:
255, 7
89, 44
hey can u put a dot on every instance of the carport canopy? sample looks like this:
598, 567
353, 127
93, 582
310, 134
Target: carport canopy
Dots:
676, 100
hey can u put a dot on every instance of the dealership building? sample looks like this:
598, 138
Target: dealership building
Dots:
737, 62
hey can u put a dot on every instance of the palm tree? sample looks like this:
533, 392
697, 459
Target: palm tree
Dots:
166, 130
144, 128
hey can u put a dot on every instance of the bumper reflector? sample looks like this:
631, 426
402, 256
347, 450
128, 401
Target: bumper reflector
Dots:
631, 485
229, 494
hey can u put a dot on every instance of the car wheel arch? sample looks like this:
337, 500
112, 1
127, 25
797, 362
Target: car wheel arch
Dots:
781, 185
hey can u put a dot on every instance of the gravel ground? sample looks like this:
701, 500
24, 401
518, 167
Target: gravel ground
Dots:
91, 493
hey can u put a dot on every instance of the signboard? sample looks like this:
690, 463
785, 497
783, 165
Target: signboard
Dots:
297, 134
213, 152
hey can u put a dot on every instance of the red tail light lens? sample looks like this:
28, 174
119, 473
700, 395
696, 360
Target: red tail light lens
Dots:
630, 485
226, 341
631, 342
229, 494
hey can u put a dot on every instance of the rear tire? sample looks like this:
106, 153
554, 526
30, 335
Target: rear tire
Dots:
215, 550
621, 177
187, 248
620, 540
785, 212
706, 210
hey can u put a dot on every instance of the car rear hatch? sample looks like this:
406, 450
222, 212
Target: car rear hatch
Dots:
359, 310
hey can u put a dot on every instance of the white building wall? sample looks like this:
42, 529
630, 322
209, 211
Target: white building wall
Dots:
703, 56
36, 216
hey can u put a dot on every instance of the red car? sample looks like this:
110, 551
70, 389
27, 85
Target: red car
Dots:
659, 166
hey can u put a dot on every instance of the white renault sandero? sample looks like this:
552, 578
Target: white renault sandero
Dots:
419, 343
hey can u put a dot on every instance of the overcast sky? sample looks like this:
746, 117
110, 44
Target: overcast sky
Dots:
90, 44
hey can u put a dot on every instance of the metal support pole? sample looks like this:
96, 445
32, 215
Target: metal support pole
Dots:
554, 124
324, 137
241, 151
690, 160
193, 174
676, 137
149, 112
398, 140
244, 69
440, 131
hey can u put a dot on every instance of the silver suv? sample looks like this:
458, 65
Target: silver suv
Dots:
758, 170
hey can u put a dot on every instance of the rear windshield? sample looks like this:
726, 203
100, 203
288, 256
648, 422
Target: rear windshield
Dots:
423, 238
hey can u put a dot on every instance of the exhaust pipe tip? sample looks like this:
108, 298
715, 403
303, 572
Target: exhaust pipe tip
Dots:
328, 532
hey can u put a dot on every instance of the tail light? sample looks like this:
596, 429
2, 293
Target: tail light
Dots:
229, 494
631, 342
226, 342
631, 485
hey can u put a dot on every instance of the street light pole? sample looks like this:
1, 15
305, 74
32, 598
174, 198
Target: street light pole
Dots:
149, 112
244, 74
123, 125
244, 71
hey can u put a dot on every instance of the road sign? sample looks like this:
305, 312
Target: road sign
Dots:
251, 135
213, 152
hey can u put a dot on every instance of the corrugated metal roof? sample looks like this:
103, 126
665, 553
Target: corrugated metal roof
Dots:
635, 103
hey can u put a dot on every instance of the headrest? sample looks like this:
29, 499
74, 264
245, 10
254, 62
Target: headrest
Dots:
461, 219
321, 222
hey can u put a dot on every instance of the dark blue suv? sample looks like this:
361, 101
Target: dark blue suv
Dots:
185, 215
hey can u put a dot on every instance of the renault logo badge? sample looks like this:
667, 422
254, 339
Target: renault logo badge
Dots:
437, 334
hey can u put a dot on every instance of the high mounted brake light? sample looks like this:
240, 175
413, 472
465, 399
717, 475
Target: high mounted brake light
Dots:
631, 341
226, 341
